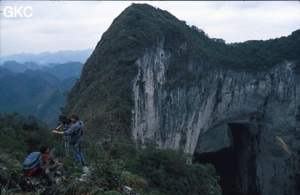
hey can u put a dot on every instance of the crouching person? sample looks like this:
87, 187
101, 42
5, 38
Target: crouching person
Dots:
50, 166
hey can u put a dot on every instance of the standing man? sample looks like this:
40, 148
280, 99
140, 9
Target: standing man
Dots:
76, 133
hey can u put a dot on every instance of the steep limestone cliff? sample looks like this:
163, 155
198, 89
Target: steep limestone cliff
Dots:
157, 78
224, 108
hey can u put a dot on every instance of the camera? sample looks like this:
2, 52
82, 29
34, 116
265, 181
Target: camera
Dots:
64, 119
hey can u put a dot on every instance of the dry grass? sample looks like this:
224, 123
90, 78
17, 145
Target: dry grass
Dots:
286, 148
283, 145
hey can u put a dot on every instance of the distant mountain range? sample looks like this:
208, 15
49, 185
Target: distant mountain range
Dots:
38, 90
17, 67
61, 71
46, 58
37, 84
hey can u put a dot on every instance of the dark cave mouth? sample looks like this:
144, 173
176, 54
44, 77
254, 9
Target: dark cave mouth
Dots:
226, 167
235, 164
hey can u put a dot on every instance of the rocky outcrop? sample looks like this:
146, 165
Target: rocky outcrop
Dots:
221, 103
223, 108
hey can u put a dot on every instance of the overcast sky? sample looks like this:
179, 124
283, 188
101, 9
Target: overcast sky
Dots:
77, 25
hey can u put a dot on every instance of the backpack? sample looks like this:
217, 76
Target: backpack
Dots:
31, 163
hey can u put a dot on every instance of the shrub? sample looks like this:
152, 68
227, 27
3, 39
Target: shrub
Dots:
168, 172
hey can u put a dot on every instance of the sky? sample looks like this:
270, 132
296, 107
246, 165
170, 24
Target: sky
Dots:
77, 25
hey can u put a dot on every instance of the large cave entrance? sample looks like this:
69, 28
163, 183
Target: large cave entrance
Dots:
236, 164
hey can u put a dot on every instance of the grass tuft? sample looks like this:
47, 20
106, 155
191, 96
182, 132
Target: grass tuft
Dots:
286, 148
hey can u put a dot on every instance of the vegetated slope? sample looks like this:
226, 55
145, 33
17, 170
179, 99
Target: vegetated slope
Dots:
104, 91
66, 70
24, 92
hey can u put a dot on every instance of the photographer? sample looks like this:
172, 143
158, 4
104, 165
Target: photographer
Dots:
76, 133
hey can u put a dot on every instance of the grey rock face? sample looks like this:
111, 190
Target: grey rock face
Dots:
223, 109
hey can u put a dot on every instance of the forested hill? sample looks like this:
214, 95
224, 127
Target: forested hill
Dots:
106, 80
153, 77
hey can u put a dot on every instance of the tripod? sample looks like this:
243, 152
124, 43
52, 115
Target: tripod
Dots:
65, 140
66, 145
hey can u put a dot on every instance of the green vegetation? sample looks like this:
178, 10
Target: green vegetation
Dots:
150, 170
260, 55
19, 136
116, 163
167, 171
142, 26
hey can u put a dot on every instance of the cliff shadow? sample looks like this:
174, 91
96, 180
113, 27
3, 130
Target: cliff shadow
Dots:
234, 157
